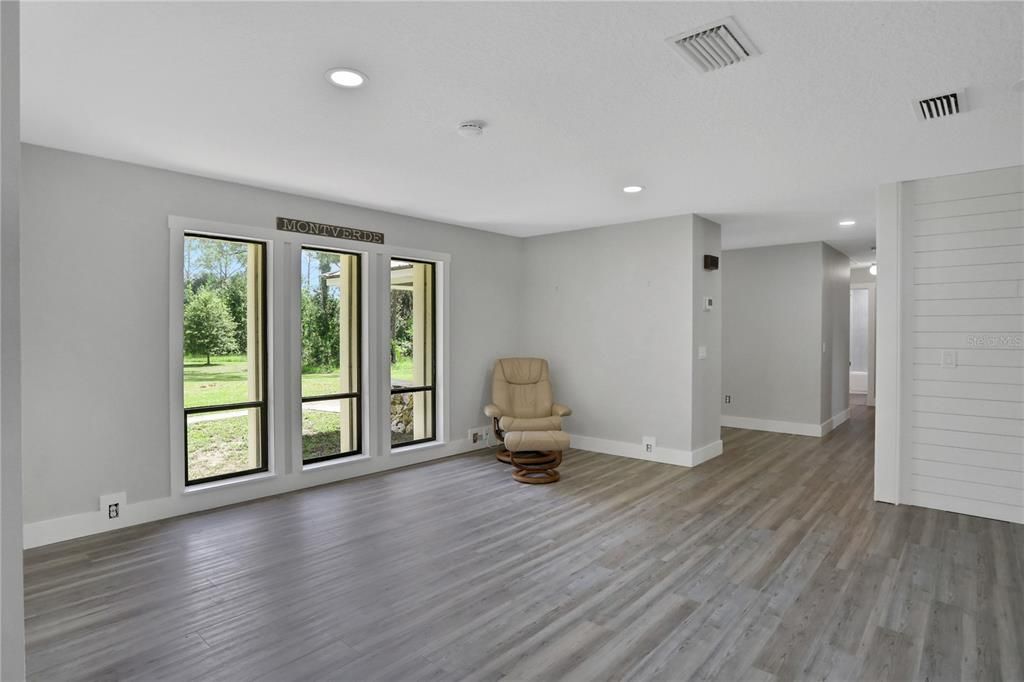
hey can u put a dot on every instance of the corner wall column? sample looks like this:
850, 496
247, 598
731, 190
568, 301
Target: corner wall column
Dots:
12, 597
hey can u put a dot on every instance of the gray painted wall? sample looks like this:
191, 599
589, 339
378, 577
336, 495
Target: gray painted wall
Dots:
95, 296
615, 309
835, 333
772, 331
706, 385
861, 276
610, 309
12, 616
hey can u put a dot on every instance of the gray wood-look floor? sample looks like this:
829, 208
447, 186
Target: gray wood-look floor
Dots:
769, 562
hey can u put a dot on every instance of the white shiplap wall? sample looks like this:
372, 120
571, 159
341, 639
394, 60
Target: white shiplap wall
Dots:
963, 419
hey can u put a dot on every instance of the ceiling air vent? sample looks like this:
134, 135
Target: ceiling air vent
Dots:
942, 105
714, 46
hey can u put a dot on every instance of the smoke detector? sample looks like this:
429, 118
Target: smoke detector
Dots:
941, 106
471, 128
714, 46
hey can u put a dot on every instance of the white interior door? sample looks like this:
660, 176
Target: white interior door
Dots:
862, 340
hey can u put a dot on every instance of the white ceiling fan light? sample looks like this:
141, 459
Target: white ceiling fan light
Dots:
345, 77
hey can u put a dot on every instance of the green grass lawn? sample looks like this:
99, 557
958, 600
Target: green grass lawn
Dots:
218, 446
222, 382
221, 446
401, 370
225, 380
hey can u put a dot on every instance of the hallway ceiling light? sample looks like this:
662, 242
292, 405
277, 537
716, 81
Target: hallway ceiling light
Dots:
847, 223
632, 189
873, 269
345, 77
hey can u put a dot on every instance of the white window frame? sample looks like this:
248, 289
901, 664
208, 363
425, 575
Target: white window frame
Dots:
178, 227
368, 383
284, 348
442, 265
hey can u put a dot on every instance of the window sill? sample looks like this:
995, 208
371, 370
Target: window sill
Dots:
316, 466
228, 482
418, 447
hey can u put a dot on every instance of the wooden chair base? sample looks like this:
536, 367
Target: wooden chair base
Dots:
504, 456
536, 477
536, 468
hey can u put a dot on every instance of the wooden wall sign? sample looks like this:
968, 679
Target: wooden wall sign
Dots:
325, 230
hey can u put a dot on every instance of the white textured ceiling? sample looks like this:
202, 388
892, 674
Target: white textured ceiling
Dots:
579, 99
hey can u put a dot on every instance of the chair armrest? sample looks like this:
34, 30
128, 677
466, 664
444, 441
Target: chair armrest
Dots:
492, 411
560, 410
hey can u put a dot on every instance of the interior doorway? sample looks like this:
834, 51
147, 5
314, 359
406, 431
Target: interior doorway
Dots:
862, 341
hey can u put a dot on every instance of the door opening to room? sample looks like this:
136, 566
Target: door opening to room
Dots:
862, 343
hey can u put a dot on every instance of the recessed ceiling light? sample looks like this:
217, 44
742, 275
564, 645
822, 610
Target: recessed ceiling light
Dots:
632, 189
345, 77
847, 223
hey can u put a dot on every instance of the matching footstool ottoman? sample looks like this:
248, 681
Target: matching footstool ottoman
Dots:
536, 454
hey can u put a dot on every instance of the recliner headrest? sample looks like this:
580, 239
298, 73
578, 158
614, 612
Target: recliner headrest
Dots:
524, 370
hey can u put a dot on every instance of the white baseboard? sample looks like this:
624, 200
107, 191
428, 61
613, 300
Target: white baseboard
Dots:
88, 523
686, 458
837, 420
793, 428
50, 531
775, 426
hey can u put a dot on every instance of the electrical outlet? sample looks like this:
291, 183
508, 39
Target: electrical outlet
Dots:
113, 504
480, 436
728, 399
648, 443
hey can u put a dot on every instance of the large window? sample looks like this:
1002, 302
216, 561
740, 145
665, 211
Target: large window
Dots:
331, 377
225, 358
412, 352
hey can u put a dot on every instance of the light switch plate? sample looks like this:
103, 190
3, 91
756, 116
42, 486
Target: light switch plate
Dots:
948, 358
702, 352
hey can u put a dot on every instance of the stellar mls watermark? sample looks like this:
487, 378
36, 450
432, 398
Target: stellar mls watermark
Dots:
995, 340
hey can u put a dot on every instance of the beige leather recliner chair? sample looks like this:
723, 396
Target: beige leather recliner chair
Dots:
526, 418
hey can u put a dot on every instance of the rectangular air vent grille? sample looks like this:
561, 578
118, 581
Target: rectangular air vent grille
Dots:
941, 106
714, 46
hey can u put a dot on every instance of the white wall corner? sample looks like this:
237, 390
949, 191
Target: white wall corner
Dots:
835, 421
12, 598
887, 343
706, 452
